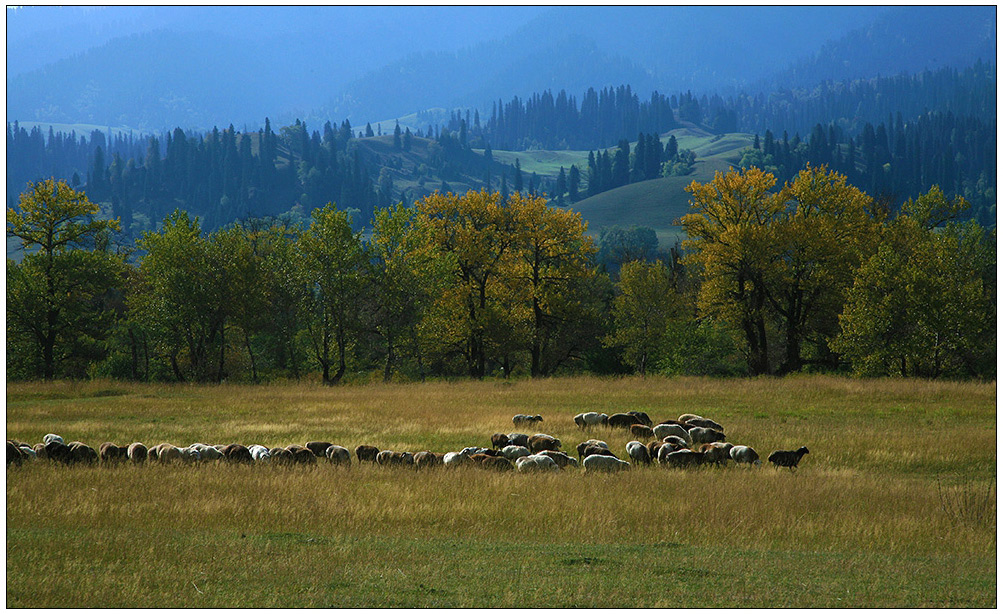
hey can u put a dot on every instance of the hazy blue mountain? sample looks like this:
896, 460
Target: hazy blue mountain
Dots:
159, 67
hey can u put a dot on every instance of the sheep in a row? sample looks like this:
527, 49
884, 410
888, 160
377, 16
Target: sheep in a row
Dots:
591, 419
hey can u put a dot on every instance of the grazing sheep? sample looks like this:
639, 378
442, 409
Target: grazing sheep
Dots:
653, 447
366, 453
642, 432
13, 454
593, 450
167, 453
281, 456
676, 422
497, 463
700, 435
664, 430
455, 459
536, 462
471, 450
403, 459
591, 419
621, 421
52, 437
687, 417
153, 453
39, 449
787, 458
190, 454
111, 453
705, 423
518, 439
338, 455
499, 441
602, 463
259, 453
236, 453
562, 459
427, 459
638, 452
540, 442
718, 452
209, 453
514, 452
319, 448
520, 419
744, 455
59, 452
640, 418
137, 452
302, 455
591, 442
679, 458
83, 453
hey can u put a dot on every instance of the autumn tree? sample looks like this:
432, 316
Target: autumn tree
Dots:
55, 294
731, 247
555, 267
473, 316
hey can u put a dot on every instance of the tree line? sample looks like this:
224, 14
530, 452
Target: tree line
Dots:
773, 280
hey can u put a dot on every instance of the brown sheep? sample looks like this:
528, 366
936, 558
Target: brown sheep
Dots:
366, 453
642, 432
319, 448
39, 449
717, 452
622, 421
540, 442
641, 418
562, 459
281, 456
676, 422
236, 453
593, 450
302, 455
427, 460
679, 458
705, 435
497, 463
14, 455
499, 441
83, 453
402, 459
111, 453
705, 423
137, 452
653, 448
477, 458
167, 453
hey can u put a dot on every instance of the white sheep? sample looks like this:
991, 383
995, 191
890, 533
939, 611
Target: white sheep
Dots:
536, 462
676, 441
338, 455
259, 453
664, 430
590, 419
52, 437
514, 452
207, 452
745, 454
638, 452
190, 454
600, 462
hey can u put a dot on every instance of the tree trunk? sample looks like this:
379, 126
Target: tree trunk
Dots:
250, 353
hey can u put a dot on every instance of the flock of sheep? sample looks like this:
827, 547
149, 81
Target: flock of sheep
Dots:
689, 441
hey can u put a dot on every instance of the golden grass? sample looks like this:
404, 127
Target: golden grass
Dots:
862, 522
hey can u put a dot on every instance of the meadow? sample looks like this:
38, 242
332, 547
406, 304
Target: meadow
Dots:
895, 506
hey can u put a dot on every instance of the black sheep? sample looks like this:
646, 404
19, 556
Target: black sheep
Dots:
787, 458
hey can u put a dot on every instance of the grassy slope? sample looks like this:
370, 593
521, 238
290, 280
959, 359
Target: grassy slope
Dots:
859, 524
659, 203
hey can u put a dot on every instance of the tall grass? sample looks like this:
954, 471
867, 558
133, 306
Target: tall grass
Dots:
862, 522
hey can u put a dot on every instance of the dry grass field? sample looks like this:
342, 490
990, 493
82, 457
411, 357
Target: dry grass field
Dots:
893, 507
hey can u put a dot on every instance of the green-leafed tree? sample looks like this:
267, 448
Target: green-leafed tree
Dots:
925, 303
334, 271
56, 315
409, 272
646, 300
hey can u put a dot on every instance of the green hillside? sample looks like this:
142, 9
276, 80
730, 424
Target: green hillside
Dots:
659, 203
